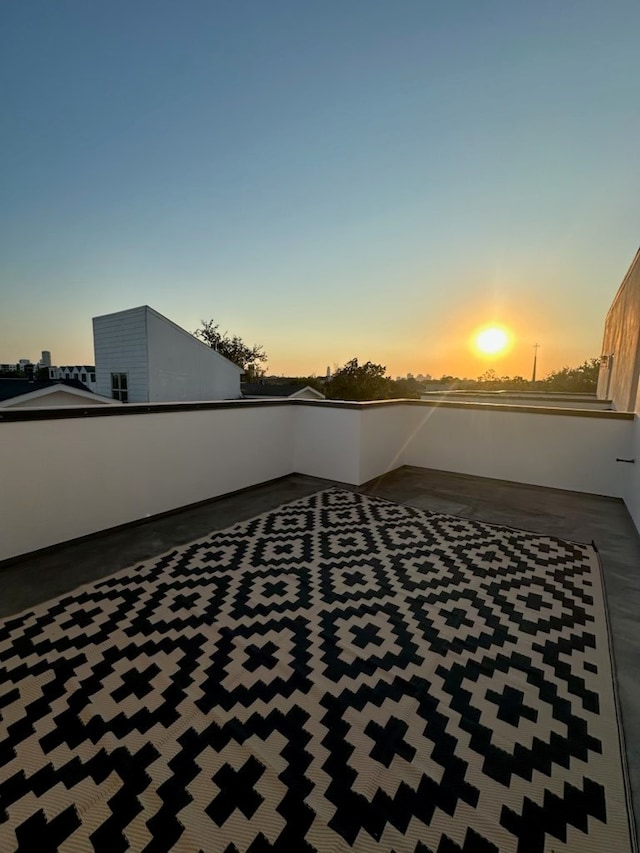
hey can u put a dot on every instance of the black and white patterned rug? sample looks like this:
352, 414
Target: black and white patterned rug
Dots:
340, 673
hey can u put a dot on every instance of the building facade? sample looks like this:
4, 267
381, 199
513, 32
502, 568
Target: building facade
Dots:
143, 357
85, 373
620, 358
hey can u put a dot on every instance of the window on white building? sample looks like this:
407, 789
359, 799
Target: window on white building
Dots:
119, 389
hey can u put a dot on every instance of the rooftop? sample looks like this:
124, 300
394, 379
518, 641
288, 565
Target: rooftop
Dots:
578, 517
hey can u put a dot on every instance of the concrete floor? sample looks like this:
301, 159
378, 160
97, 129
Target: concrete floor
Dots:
571, 515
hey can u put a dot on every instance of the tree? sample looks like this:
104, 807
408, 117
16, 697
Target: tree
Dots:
233, 348
583, 378
489, 378
406, 389
359, 382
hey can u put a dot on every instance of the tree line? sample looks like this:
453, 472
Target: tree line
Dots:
368, 381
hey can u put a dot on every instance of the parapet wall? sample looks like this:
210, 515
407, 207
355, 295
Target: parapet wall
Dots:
68, 473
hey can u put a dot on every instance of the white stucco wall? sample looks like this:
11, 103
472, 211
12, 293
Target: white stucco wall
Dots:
560, 451
632, 498
126, 467
183, 369
119, 469
326, 442
120, 346
385, 434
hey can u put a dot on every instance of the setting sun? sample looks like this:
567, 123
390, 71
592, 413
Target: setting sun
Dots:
492, 340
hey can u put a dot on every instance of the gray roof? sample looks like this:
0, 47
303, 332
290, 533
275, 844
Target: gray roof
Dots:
265, 389
16, 387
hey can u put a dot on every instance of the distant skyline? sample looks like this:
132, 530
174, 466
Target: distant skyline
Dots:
330, 180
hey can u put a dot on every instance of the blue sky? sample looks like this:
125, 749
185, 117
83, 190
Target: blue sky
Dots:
330, 179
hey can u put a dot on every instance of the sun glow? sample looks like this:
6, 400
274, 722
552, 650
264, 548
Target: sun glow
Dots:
492, 340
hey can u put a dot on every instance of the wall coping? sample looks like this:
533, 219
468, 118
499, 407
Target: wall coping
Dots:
518, 395
128, 409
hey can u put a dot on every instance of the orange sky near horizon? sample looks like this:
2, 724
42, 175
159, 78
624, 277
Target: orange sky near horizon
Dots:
454, 357
452, 351
444, 348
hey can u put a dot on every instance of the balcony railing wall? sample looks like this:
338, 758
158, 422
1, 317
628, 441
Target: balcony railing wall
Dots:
632, 497
65, 478
563, 452
327, 442
65, 475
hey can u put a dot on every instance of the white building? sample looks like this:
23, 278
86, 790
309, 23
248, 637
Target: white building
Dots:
142, 357
85, 373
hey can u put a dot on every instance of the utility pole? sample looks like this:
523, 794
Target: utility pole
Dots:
535, 361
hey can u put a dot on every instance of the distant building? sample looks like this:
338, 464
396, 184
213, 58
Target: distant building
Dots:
142, 357
35, 393
85, 373
268, 391
26, 366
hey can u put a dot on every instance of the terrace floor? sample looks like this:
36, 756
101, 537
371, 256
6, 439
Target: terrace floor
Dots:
570, 515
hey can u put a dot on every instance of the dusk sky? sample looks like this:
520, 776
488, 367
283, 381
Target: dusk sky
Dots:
330, 179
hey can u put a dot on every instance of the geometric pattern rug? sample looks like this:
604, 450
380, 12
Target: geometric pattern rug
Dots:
341, 673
